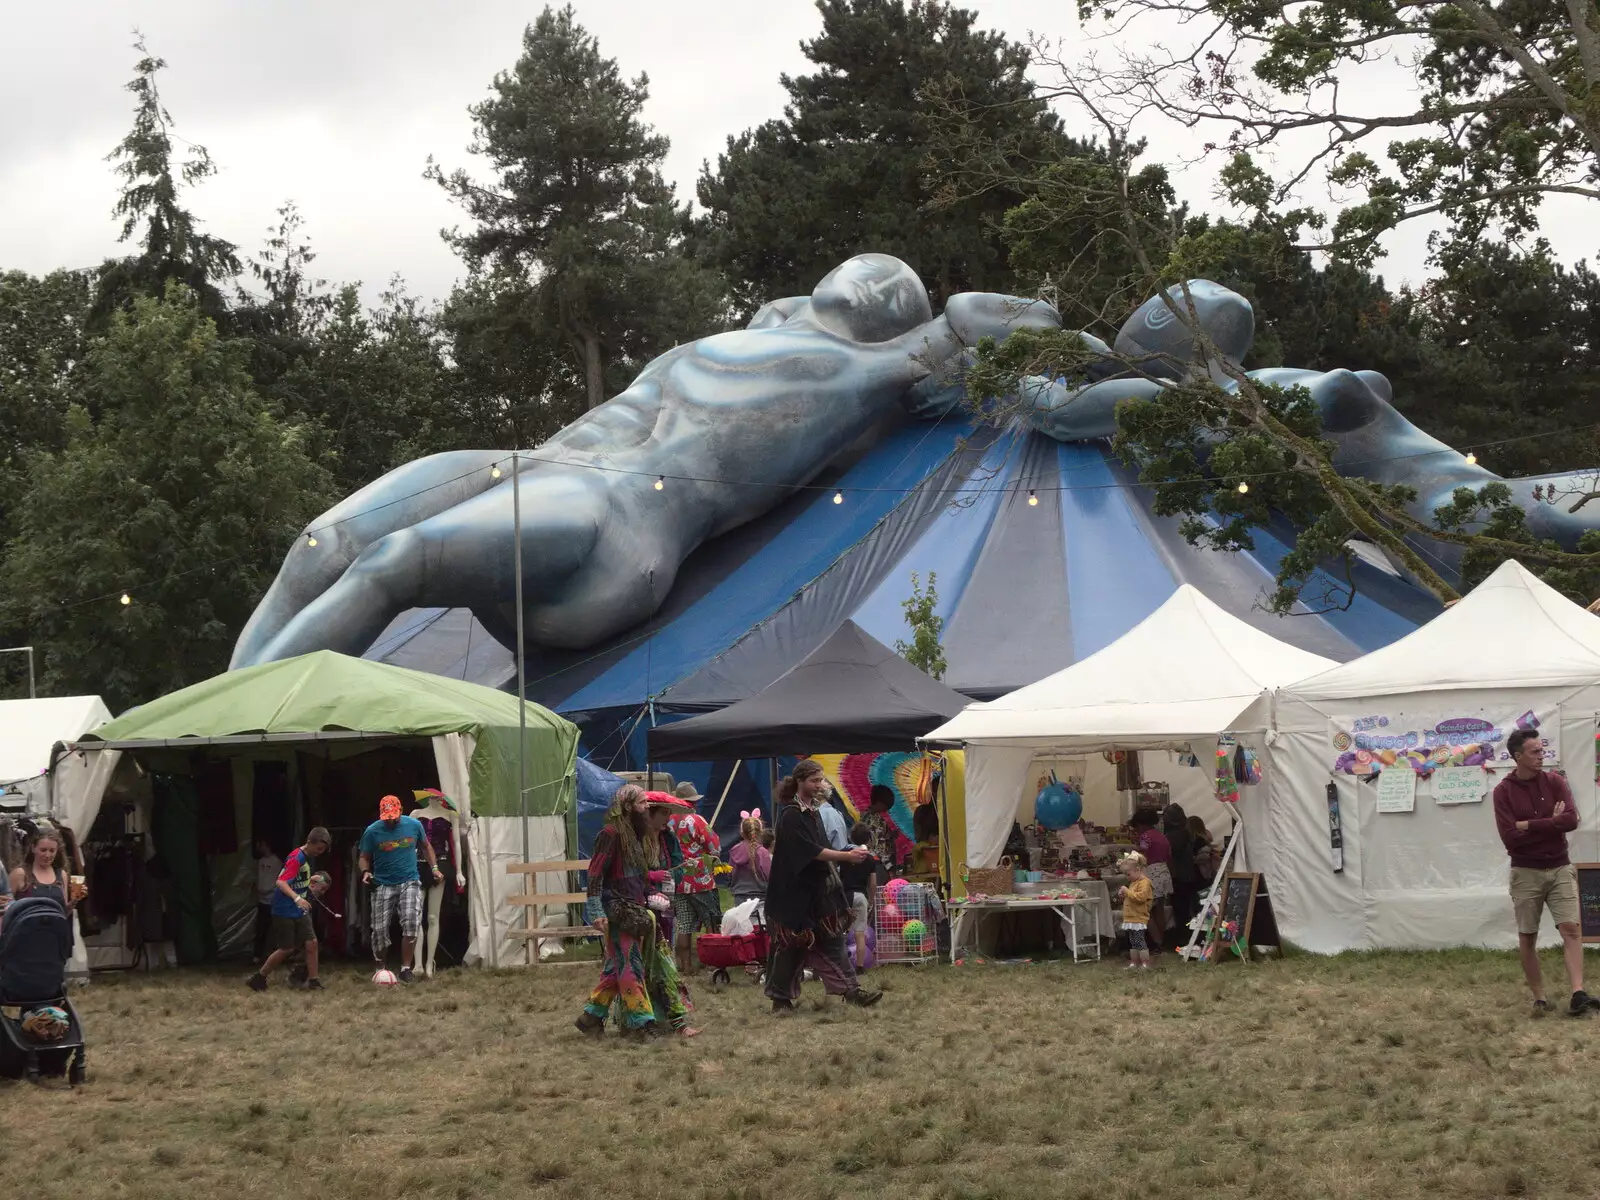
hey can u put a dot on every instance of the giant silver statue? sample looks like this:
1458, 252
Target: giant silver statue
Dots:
729, 426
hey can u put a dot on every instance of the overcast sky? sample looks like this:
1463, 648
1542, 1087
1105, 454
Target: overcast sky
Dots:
339, 105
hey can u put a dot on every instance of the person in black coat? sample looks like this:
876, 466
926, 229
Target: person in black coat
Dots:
1185, 872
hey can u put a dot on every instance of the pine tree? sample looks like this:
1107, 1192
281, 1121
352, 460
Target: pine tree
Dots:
578, 215
848, 168
171, 246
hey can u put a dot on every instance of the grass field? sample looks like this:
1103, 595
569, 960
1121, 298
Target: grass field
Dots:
1389, 1076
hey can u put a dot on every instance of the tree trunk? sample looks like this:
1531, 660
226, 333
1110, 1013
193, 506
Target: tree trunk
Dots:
591, 370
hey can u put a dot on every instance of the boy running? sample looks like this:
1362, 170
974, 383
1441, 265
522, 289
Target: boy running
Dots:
291, 912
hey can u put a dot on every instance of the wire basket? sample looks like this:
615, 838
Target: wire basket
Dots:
897, 913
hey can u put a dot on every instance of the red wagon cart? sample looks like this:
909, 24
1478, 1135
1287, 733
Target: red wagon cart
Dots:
721, 952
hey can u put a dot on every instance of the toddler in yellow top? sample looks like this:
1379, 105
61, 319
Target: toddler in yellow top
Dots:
1136, 899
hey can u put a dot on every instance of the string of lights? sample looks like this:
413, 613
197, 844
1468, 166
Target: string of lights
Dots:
496, 470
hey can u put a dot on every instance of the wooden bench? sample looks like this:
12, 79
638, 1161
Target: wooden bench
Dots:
533, 899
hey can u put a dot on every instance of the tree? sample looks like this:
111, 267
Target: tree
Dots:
171, 246
923, 651
514, 372
180, 495
1228, 453
1506, 111
293, 306
41, 354
578, 216
847, 168
373, 389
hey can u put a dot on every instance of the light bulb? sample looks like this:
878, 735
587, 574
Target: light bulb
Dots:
494, 472
661, 482
311, 539
126, 599
838, 497
1472, 459
1033, 500
1243, 488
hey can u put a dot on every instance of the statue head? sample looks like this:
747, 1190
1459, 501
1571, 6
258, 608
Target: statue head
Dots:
870, 298
1154, 329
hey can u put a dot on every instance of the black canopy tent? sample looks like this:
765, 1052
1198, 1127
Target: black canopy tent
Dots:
851, 695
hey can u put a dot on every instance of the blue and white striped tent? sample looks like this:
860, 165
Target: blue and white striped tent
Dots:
1024, 589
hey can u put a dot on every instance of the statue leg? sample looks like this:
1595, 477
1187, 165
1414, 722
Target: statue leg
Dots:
431, 933
409, 494
460, 558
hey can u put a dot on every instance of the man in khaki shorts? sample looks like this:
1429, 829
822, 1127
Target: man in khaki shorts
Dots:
1534, 812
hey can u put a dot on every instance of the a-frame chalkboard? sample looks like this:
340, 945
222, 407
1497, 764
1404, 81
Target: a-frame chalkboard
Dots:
1589, 900
1245, 902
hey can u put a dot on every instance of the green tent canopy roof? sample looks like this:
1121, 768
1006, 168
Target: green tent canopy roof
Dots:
326, 692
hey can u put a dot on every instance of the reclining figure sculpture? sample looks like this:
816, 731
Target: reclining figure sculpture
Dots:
731, 425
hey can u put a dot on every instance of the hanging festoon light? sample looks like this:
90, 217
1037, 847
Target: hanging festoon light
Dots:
1243, 487
838, 497
1033, 500
1472, 459
126, 599
311, 539
661, 482
494, 471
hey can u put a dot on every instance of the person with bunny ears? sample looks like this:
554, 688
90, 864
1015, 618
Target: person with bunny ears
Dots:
750, 860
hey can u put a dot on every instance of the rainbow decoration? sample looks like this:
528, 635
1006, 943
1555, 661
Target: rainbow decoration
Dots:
909, 776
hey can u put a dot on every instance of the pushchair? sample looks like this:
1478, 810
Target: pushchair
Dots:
40, 1033
721, 951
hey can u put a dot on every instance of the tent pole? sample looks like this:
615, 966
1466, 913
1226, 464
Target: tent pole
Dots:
727, 787
530, 920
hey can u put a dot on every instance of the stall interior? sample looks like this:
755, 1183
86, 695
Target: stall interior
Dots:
173, 858
1112, 786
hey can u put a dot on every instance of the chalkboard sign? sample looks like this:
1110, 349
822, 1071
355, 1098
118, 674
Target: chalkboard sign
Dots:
1239, 903
1589, 900
1245, 902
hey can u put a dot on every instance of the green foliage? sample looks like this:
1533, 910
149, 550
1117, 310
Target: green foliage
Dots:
171, 246
578, 223
923, 650
183, 490
848, 168
1508, 110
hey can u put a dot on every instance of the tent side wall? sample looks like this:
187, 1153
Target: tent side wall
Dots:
1434, 878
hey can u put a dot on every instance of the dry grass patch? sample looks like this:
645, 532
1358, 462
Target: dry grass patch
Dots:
1388, 1075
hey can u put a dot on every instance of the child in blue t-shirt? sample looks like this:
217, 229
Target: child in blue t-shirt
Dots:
291, 912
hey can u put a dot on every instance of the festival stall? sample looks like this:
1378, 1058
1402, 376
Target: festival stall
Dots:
858, 708
1382, 832
196, 778
1184, 694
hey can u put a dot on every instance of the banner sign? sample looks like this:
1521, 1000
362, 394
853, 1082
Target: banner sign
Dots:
1366, 745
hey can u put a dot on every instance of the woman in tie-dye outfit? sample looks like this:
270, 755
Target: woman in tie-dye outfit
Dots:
628, 866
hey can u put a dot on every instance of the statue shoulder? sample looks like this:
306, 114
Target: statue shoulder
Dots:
977, 315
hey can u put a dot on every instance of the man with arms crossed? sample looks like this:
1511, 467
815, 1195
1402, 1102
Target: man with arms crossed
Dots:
1534, 812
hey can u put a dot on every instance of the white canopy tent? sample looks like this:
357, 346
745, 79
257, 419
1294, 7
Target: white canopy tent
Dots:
1186, 674
1512, 652
29, 730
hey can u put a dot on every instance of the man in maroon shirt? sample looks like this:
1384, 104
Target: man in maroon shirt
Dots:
1534, 812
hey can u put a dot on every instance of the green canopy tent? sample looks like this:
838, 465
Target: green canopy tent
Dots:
338, 706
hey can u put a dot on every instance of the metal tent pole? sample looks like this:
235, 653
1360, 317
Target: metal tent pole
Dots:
530, 919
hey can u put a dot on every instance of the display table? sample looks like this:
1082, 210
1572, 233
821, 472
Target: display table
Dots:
1080, 919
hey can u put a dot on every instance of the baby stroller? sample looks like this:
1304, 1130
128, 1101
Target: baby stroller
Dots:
39, 1030
721, 951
